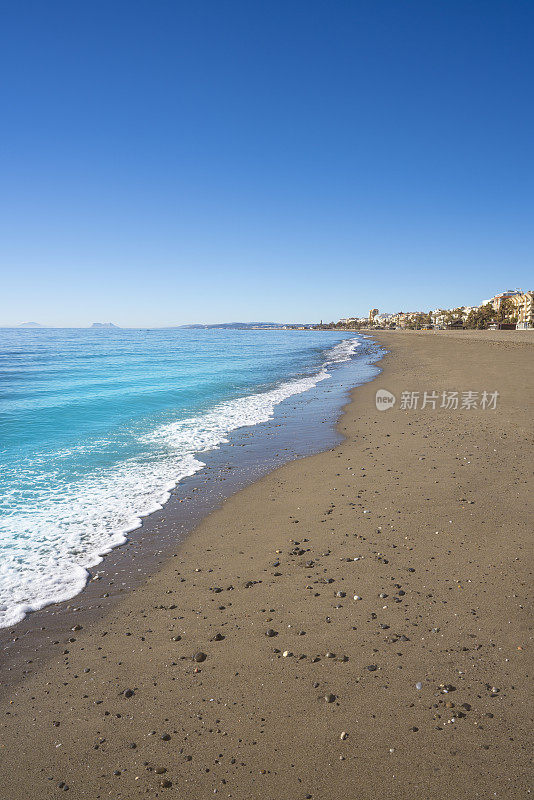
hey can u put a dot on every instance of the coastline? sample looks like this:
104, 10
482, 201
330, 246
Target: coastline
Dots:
84, 496
302, 424
248, 722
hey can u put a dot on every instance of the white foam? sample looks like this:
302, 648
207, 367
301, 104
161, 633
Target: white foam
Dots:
48, 549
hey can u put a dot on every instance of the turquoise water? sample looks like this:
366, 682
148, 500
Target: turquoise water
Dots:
97, 426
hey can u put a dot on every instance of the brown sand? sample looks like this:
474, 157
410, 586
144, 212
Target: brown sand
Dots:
442, 573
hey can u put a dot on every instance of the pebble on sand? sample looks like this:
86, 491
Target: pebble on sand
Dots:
199, 657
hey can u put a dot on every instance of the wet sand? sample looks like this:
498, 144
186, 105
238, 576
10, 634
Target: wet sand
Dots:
423, 514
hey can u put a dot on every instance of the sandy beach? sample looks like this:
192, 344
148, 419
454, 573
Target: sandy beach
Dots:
355, 624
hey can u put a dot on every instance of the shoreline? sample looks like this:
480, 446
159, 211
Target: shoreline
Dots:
441, 570
248, 454
65, 578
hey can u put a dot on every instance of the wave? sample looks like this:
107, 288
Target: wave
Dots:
48, 548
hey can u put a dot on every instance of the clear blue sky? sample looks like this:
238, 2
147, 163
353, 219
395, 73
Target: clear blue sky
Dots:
173, 162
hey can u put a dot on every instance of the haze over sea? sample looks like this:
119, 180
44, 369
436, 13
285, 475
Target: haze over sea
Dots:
97, 426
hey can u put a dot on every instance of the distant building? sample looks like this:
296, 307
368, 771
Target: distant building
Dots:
507, 294
383, 320
439, 317
372, 314
466, 310
524, 309
402, 318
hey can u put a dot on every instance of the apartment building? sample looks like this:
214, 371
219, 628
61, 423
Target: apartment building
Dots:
524, 309
508, 294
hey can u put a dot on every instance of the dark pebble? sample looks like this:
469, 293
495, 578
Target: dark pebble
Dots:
199, 657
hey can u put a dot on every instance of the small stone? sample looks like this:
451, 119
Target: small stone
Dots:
343, 735
329, 697
128, 693
357, 597
218, 637
165, 783
270, 632
287, 654
199, 657
165, 737
160, 770
418, 685
372, 667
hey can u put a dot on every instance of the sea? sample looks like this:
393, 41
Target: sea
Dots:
98, 426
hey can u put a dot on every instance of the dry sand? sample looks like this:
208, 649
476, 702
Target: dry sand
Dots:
425, 515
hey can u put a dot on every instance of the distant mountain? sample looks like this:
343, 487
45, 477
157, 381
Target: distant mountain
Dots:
30, 325
103, 325
241, 325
